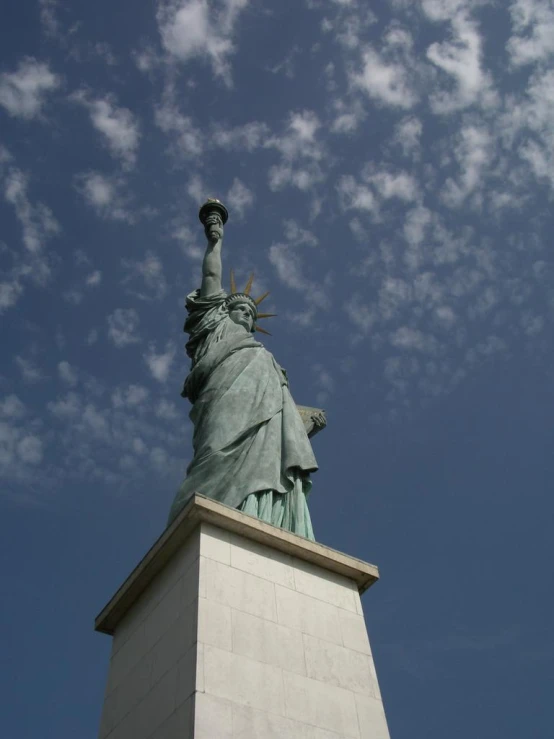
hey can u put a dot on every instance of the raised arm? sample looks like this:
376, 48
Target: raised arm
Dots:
211, 270
211, 266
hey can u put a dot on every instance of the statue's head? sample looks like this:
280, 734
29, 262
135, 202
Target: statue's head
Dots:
242, 310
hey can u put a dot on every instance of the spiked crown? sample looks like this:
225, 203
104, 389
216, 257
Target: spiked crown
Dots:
235, 297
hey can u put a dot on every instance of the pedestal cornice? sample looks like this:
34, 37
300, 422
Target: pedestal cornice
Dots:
202, 509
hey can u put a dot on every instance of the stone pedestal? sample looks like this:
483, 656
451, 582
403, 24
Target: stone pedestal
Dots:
232, 628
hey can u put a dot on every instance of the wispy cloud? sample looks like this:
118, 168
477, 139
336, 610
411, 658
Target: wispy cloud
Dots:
240, 197
123, 325
23, 93
461, 59
30, 371
407, 135
145, 278
67, 373
474, 150
49, 17
288, 263
533, 31
159, 364
188, 29
385, 81
302, 153
106, 195
246, 137
37, 221
186, 139
117, 125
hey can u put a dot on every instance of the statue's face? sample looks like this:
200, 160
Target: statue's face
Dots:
213, 226
241, 313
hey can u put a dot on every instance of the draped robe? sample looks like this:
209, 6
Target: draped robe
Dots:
251, 450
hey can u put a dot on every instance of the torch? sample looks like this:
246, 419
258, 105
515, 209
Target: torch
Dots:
213, 215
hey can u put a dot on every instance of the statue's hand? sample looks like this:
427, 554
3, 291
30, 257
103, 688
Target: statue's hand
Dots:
319, 420
214, 233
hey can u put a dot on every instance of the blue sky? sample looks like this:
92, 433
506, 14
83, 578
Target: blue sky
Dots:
388, 168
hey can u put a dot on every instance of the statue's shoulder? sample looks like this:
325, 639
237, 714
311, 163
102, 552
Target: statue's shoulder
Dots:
196, 302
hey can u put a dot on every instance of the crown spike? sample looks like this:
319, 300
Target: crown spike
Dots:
233, 283
262, 330
267, 315
249, 284
262, 297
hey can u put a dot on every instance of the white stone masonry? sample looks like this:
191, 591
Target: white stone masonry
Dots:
230, 628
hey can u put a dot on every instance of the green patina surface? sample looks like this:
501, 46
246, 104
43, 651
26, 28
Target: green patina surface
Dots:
251, 445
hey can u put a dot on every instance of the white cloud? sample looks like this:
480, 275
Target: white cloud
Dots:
186, 139
118, 442
461, 59
95, 421
130, 396
160, 364
324, 382
150, 273
10, 292
473, 151
166, 410
23, 92
296, 235
146, 59
360, 314
66, 408
196, 188
526, 125
123, 326
48, 17
353, 195
445, 315
347, 117
301, 153
37, 221
407, 135
386, 82
416, 222
30, 449
412, 339
12, 407
239, 197
486, 350
104, 194
67, 373
29, 370
484, 302
190, 28
394, 295
73, 296
289, 268
533, 31
94, 279
248, 137
378, 186
190, 241
117, 125
531, 323
19, 449
390, 184
349, 23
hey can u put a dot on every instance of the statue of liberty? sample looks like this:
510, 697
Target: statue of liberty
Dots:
251, 445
